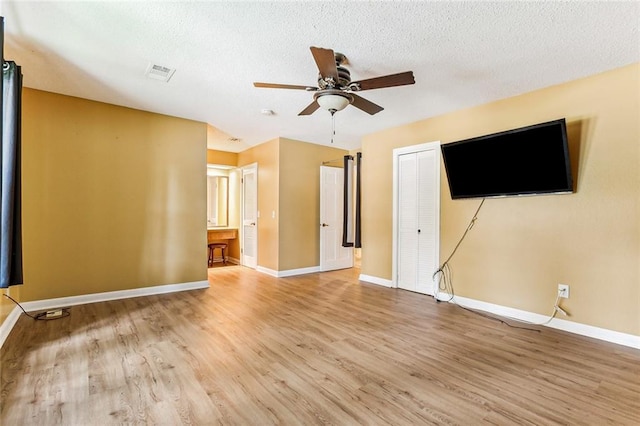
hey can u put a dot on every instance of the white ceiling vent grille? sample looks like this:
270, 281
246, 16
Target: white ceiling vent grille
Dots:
159, 72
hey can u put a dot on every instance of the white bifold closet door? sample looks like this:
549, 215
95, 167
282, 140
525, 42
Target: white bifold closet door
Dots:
417, 216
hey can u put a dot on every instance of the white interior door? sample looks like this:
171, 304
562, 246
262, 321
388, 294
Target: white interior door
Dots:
332, 254
249, 255
416, 217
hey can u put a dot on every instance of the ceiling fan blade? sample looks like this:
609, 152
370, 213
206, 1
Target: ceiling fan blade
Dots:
400, 79
365, 105
326, 62
313, 106
284, 86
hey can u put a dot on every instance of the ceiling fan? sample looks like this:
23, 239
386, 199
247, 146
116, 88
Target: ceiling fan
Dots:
336, 90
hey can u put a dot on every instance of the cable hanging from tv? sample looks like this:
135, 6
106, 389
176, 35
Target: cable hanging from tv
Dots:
444, 272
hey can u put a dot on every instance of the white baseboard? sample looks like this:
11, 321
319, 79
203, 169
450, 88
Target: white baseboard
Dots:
40, 305
300, 271
557, 323
8, 323
267, 271
505, 311
288, 273
375, 280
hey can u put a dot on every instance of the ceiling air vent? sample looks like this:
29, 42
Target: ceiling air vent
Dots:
158, 72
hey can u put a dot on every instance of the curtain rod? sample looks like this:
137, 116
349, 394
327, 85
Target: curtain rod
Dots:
337, 159
351, 157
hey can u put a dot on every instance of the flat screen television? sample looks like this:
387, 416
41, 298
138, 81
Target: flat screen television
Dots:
530, 160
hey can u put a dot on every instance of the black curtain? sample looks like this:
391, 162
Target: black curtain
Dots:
351, 222
11, 193
347, 216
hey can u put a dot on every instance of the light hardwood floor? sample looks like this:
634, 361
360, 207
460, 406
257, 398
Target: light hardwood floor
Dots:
313, 349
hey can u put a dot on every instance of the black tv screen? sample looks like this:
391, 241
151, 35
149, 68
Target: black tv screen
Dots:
526, 161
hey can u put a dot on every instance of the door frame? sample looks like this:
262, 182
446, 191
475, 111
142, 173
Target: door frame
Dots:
397, 152
254, 168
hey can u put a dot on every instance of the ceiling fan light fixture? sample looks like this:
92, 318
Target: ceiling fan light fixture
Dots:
333, 102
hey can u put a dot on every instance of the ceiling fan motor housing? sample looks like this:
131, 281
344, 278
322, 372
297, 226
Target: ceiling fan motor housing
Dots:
344, 79
344, 76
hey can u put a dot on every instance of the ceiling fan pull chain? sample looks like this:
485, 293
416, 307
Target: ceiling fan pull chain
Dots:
333, 126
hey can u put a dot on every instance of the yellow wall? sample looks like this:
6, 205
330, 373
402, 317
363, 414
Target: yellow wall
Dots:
113, 198
521, 248
266, 156
289, 201
299, 238
222, 157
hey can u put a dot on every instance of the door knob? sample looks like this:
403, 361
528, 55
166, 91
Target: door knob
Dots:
324, 224
253, 224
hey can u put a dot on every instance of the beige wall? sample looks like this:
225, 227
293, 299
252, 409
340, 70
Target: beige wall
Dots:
222, 157
266, 156
113, 198
299, 238
289, 189
521, 248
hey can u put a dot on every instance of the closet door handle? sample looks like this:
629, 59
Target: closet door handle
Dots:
324, 224
418, 231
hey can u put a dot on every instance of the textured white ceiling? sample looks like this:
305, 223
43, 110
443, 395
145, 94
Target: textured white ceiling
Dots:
462, 54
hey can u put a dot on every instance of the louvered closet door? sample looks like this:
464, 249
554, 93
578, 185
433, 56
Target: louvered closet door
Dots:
427, 211
407, 222
417, 220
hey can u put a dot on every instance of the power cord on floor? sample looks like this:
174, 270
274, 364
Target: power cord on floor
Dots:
556, 309
43, 316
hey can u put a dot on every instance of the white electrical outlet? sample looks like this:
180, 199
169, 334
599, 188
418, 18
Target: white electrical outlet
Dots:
54, 314
563, 291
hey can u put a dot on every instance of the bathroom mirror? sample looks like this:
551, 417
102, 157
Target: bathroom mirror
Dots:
217, 200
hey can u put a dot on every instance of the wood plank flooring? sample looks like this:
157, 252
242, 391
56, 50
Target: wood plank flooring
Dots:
313, 349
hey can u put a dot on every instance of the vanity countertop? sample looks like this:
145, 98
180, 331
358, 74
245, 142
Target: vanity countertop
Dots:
214, 234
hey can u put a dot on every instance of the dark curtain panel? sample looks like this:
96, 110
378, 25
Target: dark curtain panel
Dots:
11, 194
347, 217
358, 241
